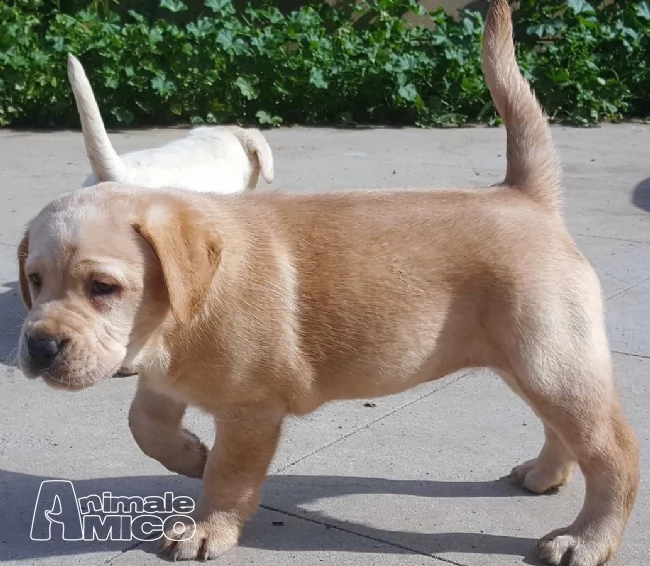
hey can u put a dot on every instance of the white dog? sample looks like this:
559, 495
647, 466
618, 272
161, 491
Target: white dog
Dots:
223, 159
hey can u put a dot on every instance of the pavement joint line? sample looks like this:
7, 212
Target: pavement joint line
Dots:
622, 292
368, 424
645, 242
362, 535
610, 274
642, 356
8, 245
326, 524
124, 551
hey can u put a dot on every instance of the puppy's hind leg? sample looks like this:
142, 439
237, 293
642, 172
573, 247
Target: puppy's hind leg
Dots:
155, 422
563, 369
607, 451
548, 472
554, 465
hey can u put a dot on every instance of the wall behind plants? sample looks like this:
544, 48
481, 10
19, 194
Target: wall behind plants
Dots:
356, 63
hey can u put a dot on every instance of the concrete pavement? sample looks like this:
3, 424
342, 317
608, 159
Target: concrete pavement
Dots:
414, 479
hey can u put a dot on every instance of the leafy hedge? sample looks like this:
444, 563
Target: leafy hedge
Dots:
356, 63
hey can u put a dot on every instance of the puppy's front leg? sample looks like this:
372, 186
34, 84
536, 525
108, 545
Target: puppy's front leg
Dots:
237, 465
155, 422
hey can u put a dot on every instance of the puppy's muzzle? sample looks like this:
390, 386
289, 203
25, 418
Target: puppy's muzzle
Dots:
43, 350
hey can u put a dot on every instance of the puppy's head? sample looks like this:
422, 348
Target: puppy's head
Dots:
103, 271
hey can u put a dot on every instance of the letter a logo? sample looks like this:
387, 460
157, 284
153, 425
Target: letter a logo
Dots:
56, 503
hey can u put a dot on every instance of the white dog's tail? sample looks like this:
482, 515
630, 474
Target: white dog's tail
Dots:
258, 149
532, 163
104, 161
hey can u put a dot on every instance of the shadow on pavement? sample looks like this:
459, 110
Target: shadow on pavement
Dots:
19, 492
12, 313
641, 195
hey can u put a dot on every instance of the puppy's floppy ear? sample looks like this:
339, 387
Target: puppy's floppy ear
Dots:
23, 250
189, 251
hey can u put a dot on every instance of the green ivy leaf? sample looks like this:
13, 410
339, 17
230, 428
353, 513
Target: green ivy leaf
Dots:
225, 38
264, 117
123, 115
581, 7
246, 88
173, 5
643, 10
220, 6
560, 76
316, 78
408, 92
137, 17
162, 86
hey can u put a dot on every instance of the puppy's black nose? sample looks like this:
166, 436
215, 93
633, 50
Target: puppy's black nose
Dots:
43, 350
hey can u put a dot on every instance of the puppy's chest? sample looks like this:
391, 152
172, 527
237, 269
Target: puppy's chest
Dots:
206, 389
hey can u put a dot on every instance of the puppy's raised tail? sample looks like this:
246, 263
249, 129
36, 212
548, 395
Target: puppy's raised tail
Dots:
104, 161
533, 166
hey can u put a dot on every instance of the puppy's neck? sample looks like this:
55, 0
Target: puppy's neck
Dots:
152, 355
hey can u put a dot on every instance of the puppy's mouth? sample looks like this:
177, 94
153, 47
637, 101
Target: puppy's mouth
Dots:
68, 383
58, 383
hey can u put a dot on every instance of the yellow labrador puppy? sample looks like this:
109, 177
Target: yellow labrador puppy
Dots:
258, 306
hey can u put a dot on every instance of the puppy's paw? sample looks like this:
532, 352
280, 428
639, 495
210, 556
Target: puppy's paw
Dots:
562, 548
194, 454
187, 540
541, 477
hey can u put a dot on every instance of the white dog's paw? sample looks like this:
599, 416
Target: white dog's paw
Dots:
561, 548
540, 476
189, 540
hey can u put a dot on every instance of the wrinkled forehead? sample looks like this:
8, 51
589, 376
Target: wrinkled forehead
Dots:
77, 234
55, 232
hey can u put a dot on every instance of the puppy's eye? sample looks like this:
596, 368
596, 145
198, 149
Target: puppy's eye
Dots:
101, 288
35, 279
